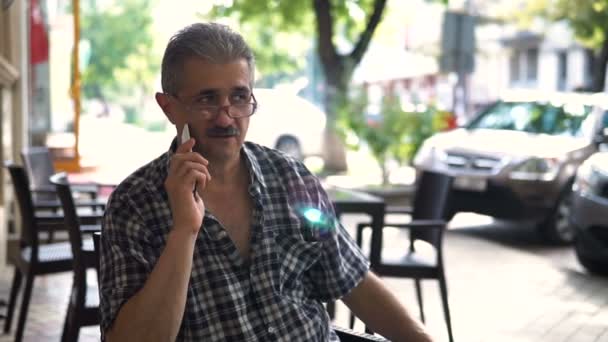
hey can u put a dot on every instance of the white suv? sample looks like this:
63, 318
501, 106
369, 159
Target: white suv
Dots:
517, 159
287, 122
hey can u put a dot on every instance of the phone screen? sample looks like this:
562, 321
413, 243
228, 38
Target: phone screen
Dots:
185, 134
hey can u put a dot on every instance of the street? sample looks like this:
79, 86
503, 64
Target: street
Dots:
518, 236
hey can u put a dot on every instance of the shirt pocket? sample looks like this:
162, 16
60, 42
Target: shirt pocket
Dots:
296, 257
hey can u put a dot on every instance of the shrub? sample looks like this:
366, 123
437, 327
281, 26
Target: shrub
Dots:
396, 135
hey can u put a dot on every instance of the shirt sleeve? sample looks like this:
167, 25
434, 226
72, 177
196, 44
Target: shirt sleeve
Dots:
342, 265
124, 267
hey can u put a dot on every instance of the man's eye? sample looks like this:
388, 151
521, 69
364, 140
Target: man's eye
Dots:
240, 98
206, 100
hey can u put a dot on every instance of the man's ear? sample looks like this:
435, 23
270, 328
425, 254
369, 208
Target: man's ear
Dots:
164, 102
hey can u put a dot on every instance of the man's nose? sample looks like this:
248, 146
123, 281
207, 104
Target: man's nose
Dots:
223, 118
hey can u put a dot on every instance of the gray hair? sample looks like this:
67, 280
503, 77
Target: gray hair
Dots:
216, 43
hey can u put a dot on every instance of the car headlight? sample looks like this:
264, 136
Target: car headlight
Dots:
424, 154
587, 179
430, 156
536, 169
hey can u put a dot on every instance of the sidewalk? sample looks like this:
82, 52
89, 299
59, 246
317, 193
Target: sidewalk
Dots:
498, 293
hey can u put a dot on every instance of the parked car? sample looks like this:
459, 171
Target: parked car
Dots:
590, 213
287, 122
517, 159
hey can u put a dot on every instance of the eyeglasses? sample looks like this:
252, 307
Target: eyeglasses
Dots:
240, 108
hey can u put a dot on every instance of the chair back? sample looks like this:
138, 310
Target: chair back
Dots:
97, 246
72, 223
39, 167
29, 228
431, 202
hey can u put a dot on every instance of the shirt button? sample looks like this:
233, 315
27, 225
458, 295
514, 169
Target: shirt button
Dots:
271, 330
222, 234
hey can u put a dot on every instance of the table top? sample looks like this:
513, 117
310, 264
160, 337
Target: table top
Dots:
344, 195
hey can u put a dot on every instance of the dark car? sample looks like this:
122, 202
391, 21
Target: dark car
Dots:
589, 213
517, 159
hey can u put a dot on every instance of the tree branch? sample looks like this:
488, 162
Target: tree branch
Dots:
366, 36
325, 32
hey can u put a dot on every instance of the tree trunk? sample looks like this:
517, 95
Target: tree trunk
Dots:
334, 148
338, 69
599, 76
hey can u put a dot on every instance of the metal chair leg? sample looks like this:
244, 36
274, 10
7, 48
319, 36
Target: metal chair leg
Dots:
419, 297
12, 300
351, 324
359, 235
71, 328
331, 309
446, 308
25, 303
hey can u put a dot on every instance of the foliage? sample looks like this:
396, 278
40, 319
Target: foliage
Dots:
397, 135
587, 18
289, 27
122, 63
285, 26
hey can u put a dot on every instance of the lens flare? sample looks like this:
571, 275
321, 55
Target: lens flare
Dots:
313, 215
320, 223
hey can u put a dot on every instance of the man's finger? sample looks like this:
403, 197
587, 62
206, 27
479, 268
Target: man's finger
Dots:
186, 146
183, 168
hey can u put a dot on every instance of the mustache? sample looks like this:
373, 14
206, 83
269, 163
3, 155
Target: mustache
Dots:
223, 131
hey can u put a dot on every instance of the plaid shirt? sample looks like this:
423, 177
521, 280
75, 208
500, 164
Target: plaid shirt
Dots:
300, 255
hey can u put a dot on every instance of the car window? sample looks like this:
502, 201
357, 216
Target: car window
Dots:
533, 117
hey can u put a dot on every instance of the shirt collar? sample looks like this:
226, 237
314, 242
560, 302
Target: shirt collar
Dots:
257, 177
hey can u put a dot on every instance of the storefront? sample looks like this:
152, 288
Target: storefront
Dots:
13, 101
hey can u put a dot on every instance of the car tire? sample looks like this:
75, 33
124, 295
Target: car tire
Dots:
290, 146
591, 265
557, 227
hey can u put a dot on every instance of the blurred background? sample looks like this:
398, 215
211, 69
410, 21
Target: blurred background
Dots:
506, 96
433, 63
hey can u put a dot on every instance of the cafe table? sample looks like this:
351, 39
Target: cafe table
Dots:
348, 201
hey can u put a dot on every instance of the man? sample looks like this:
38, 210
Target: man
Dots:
210, 241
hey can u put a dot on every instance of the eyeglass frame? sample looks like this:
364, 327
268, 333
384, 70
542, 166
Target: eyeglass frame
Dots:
218, 108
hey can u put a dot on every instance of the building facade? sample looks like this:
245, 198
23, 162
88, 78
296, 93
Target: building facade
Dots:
13, 102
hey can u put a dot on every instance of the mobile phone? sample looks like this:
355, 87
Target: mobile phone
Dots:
185, 134
185, 137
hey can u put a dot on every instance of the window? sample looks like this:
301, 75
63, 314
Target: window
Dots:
514, 66
523, 67
562, 70
531, 64
533, 117
589, 67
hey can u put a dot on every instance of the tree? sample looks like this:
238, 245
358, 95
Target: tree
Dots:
122, 62
588, 20
351, 23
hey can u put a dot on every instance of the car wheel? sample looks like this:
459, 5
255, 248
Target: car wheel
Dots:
589, 264
557, 227
290, 146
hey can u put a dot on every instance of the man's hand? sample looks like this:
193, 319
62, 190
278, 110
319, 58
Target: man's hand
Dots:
379, 309
187, 169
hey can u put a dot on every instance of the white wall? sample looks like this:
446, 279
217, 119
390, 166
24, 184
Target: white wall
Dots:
547, 70
576, 68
